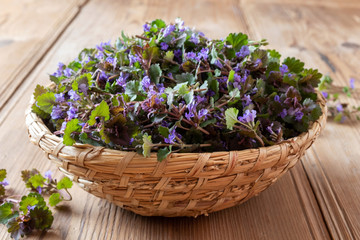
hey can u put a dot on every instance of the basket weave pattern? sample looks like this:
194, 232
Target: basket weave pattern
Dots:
185, 184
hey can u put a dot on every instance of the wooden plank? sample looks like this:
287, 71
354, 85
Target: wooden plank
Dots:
324, 38
319, 3
287, 210
27, 30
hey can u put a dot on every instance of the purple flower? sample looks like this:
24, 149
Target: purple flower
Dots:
68, 72
39, 189
101, 46
284, 69
73, 95
299, 115
283, 113
168, 30
171, 137
325, 94
244, 51
194, 39
72, 112
63, 126
192, 56
218, 64
31, 207
56, 112
59, 97
189, 115
121, 81
203, 54
164, 46
178, 53
277, 98
352, 83
200, 99
257, 62
48, 175
203, 113
99, 55
146, 27
133, 59
249, 116
4, 183
111, 60
339, 108
83, 88
145, 83
247, 100
170, 75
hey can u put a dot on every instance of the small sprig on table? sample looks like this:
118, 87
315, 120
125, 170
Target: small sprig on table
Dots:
23, 214
339, 109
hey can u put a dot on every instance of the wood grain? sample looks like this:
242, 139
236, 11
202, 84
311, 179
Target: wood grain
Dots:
288, 209
27, 30
333, 163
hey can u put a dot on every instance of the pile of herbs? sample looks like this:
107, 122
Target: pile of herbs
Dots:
171, 89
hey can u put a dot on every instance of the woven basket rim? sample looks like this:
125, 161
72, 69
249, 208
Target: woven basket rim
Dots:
32, 117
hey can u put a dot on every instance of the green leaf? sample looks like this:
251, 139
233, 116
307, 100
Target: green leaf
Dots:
237, 40
231, 76
274, 56
182, 88
54, 199
259, 54
43, 115
164, 131
158, 23
41, 218
2, 174
2, 191
147, 145
155, 73
338, 117
133, 89
46, 102
83, 79
169, 56
151, 53
54, 79
163, 153
74, 65
213, 55
27, 201
188, 97
315, 113
64, 183
311, 76
104, 136
294, 65
39, 90
6, 213
185, 77
101, 110
37, 180
231, 115
208, 122
71, 126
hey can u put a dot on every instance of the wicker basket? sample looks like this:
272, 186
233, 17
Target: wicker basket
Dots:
185, 184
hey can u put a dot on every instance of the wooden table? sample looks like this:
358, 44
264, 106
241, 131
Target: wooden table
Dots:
317, 199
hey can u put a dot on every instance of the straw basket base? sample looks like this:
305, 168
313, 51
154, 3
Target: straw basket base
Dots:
185, 184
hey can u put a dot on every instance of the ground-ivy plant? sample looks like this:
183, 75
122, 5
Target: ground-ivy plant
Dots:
339, 110
23, 214
172, 89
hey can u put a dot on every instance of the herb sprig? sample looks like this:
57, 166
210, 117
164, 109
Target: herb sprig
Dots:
23, 214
